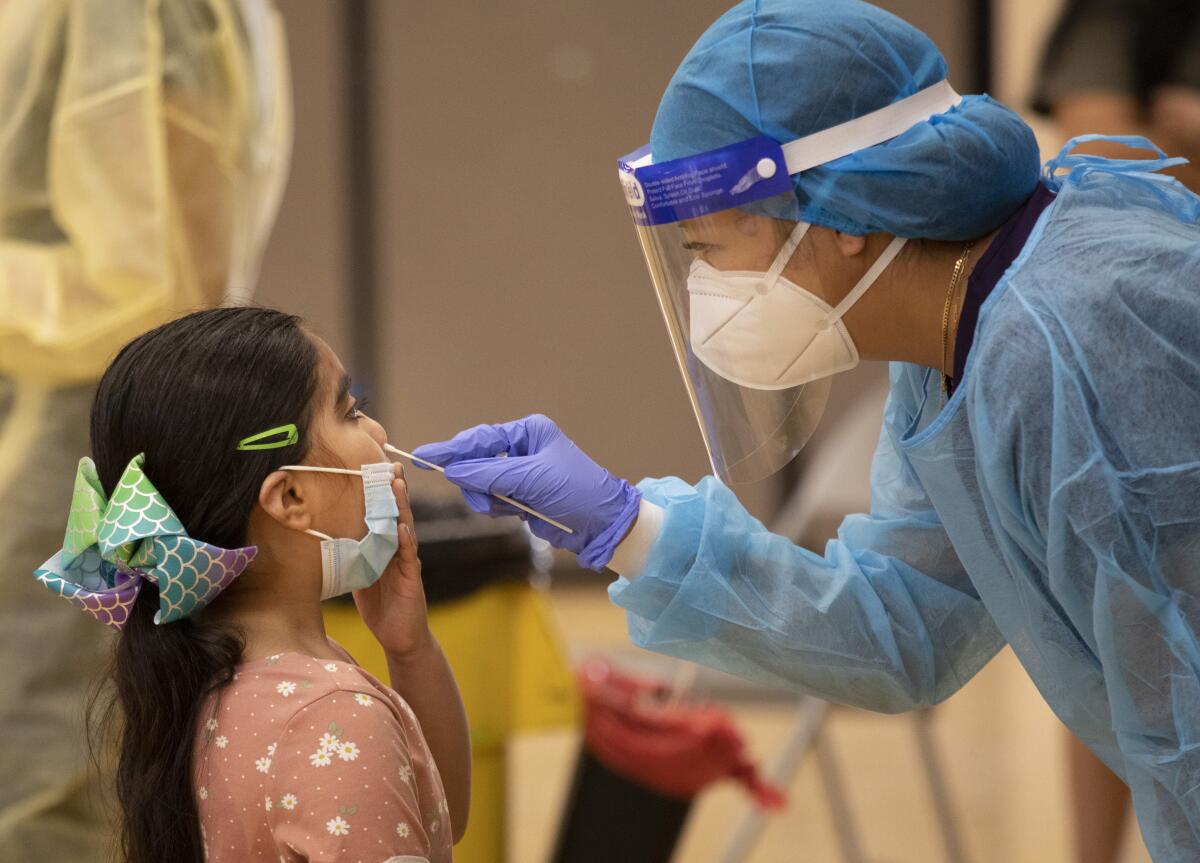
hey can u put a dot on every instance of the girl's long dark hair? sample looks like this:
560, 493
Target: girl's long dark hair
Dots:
185, 394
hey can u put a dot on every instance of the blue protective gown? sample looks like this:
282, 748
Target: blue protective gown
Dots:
1053, 503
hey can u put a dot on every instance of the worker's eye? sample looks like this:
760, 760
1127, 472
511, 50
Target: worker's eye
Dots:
698, 248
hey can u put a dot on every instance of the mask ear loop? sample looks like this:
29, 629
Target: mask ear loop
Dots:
868, 279
785, 254
304, 467
311, 469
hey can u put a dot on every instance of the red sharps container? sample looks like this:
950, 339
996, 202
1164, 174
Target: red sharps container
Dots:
645, 758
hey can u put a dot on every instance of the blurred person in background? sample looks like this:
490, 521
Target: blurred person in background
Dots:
1127, 67
1121, 67
144, 148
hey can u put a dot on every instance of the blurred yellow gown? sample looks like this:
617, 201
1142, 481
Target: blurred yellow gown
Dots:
144, 146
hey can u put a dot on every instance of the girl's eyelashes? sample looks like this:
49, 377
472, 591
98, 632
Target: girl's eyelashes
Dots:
356, 409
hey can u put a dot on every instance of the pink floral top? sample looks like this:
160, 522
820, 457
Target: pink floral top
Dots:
311, 759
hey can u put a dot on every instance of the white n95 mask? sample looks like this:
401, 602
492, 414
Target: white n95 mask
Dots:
765, 332
353, 564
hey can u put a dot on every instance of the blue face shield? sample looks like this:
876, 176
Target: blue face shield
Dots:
788, 114
756, 349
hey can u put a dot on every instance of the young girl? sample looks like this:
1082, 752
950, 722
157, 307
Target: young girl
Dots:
232, 478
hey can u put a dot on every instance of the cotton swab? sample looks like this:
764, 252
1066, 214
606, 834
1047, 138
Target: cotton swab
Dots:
415, 460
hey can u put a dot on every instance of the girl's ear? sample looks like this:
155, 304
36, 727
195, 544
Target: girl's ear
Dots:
282, 498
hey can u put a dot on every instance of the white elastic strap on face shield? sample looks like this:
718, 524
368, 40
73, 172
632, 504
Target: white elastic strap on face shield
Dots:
869, 129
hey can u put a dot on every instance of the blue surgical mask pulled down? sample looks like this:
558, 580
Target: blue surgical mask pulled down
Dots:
353, 564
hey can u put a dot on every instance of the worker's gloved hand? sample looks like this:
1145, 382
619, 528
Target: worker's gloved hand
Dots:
542, 468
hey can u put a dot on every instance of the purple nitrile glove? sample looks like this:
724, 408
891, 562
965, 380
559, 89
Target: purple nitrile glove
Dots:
544, 470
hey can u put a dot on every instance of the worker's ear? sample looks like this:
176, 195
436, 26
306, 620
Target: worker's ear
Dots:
749, 225
849, 244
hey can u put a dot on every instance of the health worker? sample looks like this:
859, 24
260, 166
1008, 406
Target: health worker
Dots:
815, 194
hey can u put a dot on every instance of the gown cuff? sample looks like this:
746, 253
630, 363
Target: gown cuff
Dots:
630, 556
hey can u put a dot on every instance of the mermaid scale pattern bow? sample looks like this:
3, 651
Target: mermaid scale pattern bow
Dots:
112, 547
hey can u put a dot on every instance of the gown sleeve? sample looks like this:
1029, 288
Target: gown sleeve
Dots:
1088, 421
885, 620
1122, 527
1146, 621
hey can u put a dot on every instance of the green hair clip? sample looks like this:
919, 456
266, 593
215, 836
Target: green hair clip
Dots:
286, 436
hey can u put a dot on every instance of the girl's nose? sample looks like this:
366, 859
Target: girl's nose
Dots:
377, 432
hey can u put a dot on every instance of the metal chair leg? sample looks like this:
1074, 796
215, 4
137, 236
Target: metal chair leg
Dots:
839, 805
939, 790
810, 716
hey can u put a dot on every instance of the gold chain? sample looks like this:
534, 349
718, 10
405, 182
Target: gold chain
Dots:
960, 267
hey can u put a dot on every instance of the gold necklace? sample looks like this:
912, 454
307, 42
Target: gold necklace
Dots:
960, 267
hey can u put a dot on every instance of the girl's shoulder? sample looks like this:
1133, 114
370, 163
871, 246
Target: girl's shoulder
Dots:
277, 688
317, 755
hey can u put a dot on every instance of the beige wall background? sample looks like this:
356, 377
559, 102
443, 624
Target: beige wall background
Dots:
304, 269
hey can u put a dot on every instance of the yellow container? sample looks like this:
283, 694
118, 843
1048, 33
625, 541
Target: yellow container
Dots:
510, 668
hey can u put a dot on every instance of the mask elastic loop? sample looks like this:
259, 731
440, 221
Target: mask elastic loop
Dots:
785, 253
321, 536
868, 279
309, 469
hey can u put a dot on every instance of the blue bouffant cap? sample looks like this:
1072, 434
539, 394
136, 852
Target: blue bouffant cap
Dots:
789, 68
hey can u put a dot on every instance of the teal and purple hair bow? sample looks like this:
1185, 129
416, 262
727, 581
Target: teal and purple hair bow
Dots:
112, 547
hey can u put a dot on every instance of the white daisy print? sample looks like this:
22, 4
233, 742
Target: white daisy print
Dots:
267, 803
285, 688
364, 700
320, 759
262, 765
403, 830
211, 725
203, 793
347, 751
331, 666
337, 826
221, 741
288, 801
271, 749
328, 742
406, 773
